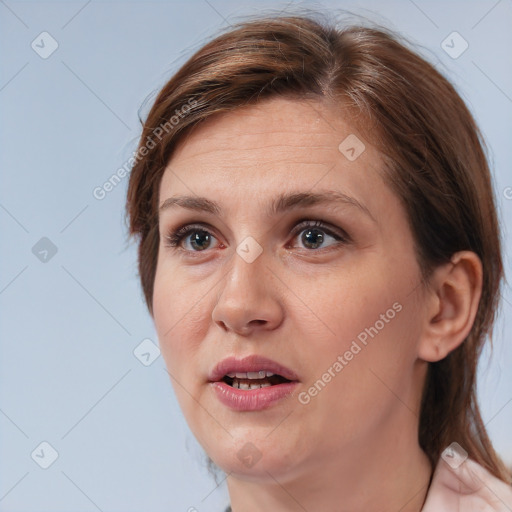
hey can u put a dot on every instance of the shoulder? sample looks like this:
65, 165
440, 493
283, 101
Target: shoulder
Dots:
462, 484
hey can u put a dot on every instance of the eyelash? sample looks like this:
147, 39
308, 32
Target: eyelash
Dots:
174, 238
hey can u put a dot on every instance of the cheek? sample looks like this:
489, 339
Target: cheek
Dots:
369, 317
179, 317
371, 377
344, 302
179, 312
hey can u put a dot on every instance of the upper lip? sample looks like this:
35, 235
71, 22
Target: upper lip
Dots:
253, 363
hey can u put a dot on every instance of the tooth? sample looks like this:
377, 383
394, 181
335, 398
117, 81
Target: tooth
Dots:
262, 385
231, 375
261, 374
241, 375
243, 385
236, 384
268, 374
253, 375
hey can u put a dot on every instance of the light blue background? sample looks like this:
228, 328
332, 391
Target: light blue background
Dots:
69, 326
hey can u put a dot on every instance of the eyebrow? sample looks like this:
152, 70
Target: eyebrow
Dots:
282, 203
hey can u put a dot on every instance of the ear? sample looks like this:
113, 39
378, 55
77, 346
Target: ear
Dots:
450, 305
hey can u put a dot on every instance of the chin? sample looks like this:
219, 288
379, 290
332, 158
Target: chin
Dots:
255, 456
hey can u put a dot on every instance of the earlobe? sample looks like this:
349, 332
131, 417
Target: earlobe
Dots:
451, 304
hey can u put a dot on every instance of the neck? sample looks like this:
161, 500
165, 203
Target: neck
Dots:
387, 474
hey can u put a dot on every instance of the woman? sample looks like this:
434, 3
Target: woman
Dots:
319, 251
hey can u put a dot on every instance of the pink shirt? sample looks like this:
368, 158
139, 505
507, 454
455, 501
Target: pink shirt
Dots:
462, 485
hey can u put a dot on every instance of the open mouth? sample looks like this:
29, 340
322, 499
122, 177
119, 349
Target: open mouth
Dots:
253, 380
253, 383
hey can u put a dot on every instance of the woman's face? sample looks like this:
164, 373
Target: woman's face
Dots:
333, 307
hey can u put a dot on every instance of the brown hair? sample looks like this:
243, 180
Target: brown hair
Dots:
431, 147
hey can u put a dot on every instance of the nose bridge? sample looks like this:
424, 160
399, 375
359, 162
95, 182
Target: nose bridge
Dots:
247, 299
247, 270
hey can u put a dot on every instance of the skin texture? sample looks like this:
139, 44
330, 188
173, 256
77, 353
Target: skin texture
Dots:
354, 446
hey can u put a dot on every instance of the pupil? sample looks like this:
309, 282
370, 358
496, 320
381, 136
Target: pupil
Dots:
197, 238
309, 237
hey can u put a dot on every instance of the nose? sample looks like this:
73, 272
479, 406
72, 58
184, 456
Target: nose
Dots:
249, 299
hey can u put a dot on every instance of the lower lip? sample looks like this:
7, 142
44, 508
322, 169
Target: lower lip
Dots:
252, 399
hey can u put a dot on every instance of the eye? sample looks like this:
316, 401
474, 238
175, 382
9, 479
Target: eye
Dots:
200, 238
314, 234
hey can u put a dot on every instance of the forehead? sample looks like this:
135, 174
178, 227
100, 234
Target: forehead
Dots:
276, 145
